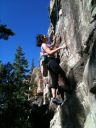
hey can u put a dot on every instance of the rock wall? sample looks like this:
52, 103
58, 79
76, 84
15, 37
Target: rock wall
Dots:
74, 21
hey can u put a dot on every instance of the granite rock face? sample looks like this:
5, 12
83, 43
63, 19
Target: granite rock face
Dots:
74, 21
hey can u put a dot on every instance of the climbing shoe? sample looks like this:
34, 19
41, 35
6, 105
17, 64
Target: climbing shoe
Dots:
57, 101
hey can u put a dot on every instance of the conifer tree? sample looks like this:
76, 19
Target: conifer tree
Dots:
5, 32
20, 64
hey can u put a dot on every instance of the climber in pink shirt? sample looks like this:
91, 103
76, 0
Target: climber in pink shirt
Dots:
48, 58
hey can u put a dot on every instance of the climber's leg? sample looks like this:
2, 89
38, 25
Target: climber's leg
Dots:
54, 87
55, 67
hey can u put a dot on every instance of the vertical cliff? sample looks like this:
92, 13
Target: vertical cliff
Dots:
74, 21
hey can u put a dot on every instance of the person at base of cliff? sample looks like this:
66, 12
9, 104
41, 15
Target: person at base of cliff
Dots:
52, 63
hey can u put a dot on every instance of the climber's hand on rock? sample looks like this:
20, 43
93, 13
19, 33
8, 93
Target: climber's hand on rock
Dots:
63, 46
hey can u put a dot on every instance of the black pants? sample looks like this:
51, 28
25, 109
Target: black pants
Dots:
55, 70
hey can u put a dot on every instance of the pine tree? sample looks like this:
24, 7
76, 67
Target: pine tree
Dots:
5, 32
6, 83
20, 64
12, 106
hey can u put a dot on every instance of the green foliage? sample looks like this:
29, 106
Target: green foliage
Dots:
20, 64
14, 107
5, 32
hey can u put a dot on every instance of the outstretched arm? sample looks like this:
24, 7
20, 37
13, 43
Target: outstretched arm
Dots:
49, 51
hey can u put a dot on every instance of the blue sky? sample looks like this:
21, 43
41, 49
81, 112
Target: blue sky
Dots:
26, 18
